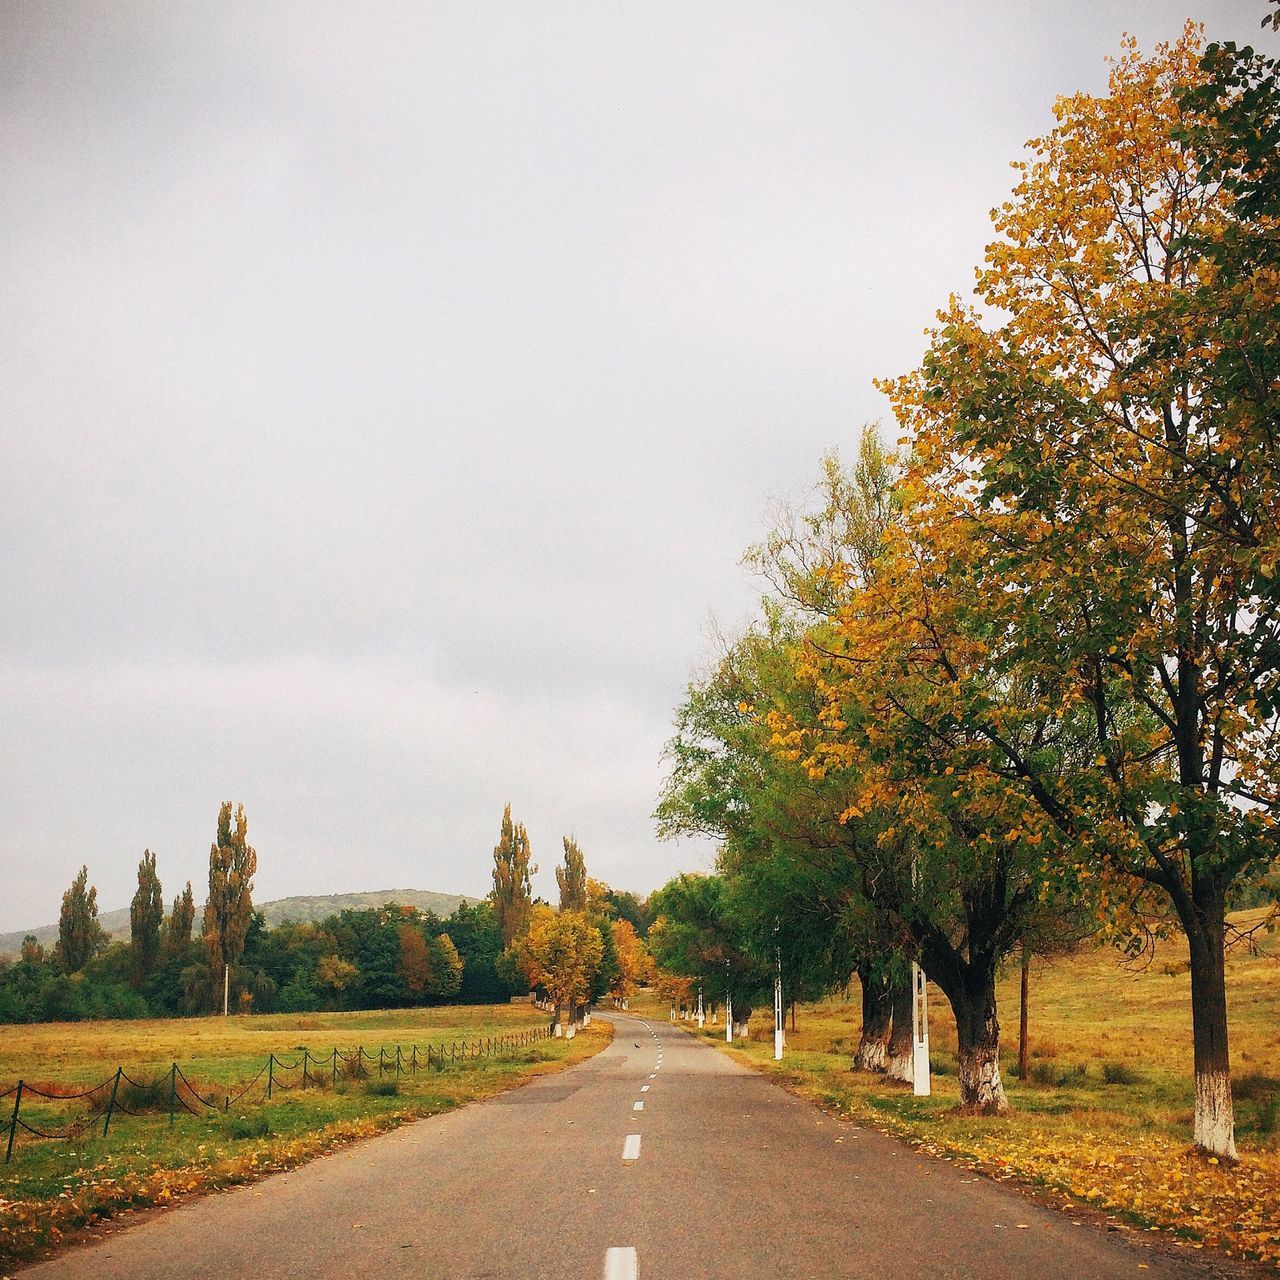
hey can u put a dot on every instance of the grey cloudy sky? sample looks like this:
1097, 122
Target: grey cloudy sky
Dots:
390, 390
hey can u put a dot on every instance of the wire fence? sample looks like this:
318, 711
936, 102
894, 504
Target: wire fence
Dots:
173, 1092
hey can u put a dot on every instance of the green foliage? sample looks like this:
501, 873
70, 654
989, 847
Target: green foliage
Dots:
79, 933
1120, 1073
229, 911
180, 922
474, 933
512, 888
146, 916
249, 1124
572, 878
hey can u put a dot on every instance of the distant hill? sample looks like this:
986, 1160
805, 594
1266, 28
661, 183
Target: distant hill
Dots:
300, 909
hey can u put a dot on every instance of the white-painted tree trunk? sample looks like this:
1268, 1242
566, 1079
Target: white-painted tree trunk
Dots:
1215, 1115
870, 1054
981, 1088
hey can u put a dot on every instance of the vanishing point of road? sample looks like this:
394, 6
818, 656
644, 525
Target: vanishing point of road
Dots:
659, 1157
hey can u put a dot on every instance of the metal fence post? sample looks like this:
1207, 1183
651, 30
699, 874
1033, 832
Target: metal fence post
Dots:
111, 1106
305, 1078
173, 1091
335, 1066
13, 1122
271, 1074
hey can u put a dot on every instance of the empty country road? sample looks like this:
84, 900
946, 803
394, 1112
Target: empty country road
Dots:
657, 1158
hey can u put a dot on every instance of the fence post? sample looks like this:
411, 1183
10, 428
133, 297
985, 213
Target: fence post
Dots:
173, 1091
399, 1069
111, 1106
271, 1074
413, 1062
305, 1080
13, 1122
335, 1066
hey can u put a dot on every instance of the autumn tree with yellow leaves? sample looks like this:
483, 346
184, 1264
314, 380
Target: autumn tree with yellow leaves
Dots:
560, 954
1095, 517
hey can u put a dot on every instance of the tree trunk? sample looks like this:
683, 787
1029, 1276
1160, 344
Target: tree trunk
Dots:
877, 1012
978, 1045
1022, 1013
899, 1061
793, 1015
1214, 1118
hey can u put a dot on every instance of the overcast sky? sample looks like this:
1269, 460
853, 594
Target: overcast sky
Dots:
387, 393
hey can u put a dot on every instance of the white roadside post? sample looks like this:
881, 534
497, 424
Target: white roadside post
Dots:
777, 1009
226, 988
919, 1033
728, 1007
777, 996
701, 1019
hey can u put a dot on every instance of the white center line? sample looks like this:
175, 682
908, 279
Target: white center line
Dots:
637, 1106
620, 1264
644, 1088
631, 1147
650, 1077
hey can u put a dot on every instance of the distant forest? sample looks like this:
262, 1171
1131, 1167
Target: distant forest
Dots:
383, 957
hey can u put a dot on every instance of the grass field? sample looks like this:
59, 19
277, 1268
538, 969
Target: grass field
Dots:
51, 1190
1104, 1119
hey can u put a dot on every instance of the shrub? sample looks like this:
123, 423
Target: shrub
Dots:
1045, 1072
1268, 1113
252, 1125
1119, 1073
382, 1088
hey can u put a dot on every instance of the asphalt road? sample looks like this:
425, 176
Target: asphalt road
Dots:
718, 1174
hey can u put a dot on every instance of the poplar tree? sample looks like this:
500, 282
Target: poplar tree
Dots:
229, 910
572, 878
146, 915
182, 918
512, 888
79, 933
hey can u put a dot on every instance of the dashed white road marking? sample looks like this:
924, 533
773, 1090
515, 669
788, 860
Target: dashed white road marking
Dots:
637, 1106
651, 1077
644, 1088
621, 1264
631, 1147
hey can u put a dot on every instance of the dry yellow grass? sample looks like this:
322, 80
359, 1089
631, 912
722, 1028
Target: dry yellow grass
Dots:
52, 1190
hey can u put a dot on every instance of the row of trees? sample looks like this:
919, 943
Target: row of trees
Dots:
587, 949
389, 956
1022, 682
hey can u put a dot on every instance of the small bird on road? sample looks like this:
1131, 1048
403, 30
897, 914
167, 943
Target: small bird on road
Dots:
637, 1044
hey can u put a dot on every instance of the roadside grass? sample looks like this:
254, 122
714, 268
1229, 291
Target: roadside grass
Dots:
1104, 1118
52, 1190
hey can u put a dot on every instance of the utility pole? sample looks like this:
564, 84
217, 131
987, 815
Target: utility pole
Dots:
777, 995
